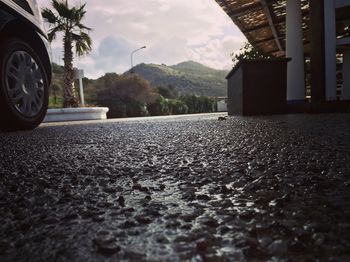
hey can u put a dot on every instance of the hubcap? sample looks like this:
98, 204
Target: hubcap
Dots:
24, 83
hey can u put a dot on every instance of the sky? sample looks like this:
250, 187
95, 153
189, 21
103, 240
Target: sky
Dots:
173, 31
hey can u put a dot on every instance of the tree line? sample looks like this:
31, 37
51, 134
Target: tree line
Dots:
130, 95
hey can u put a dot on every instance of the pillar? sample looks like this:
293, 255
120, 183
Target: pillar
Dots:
317, 52
295, 50
330, 49
346, 75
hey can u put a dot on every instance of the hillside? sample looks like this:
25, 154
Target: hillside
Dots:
187, 77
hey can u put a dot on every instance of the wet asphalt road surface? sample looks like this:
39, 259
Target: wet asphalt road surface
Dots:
194, 188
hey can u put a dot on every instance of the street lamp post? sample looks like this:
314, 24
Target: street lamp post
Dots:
132, 53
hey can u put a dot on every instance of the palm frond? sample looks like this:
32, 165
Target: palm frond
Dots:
83, 43
78, 14
49, 16
83, 27
53, 32
81, 11
62, 9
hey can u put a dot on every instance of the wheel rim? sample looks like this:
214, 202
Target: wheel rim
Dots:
24, 83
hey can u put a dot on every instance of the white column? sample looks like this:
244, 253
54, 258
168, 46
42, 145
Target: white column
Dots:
346, 74
330, 49
295, 50
81, 91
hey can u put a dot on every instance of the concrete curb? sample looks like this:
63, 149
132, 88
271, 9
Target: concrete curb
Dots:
76, 114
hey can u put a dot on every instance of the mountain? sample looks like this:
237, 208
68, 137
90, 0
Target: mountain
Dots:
187, 77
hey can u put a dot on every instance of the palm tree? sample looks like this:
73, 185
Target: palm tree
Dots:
69, 22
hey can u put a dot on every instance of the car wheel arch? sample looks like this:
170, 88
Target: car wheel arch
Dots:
29, 35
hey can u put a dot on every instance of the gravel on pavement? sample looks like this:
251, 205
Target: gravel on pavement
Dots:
189, 188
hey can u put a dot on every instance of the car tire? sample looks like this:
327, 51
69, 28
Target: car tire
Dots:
23, 86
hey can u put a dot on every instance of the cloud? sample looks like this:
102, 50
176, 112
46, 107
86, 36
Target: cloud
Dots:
173, 31
112, 55
216, 53
112, 47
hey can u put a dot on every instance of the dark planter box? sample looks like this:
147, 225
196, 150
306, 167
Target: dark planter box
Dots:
258, 87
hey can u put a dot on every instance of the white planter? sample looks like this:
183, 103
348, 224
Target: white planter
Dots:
76, 114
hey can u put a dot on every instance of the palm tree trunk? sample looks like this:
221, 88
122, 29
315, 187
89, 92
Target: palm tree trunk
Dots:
70, 99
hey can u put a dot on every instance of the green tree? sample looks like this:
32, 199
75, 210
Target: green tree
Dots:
55, 88
192, 103
125, 95
177, 107
159, 107
169, 92
249, 52
68, 21
198, 104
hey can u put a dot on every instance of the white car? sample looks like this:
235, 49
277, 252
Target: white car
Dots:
25, 65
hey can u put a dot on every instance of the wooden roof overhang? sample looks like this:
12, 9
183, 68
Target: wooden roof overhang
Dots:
263, 22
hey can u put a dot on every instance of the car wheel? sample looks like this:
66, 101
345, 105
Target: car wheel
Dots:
23, 86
